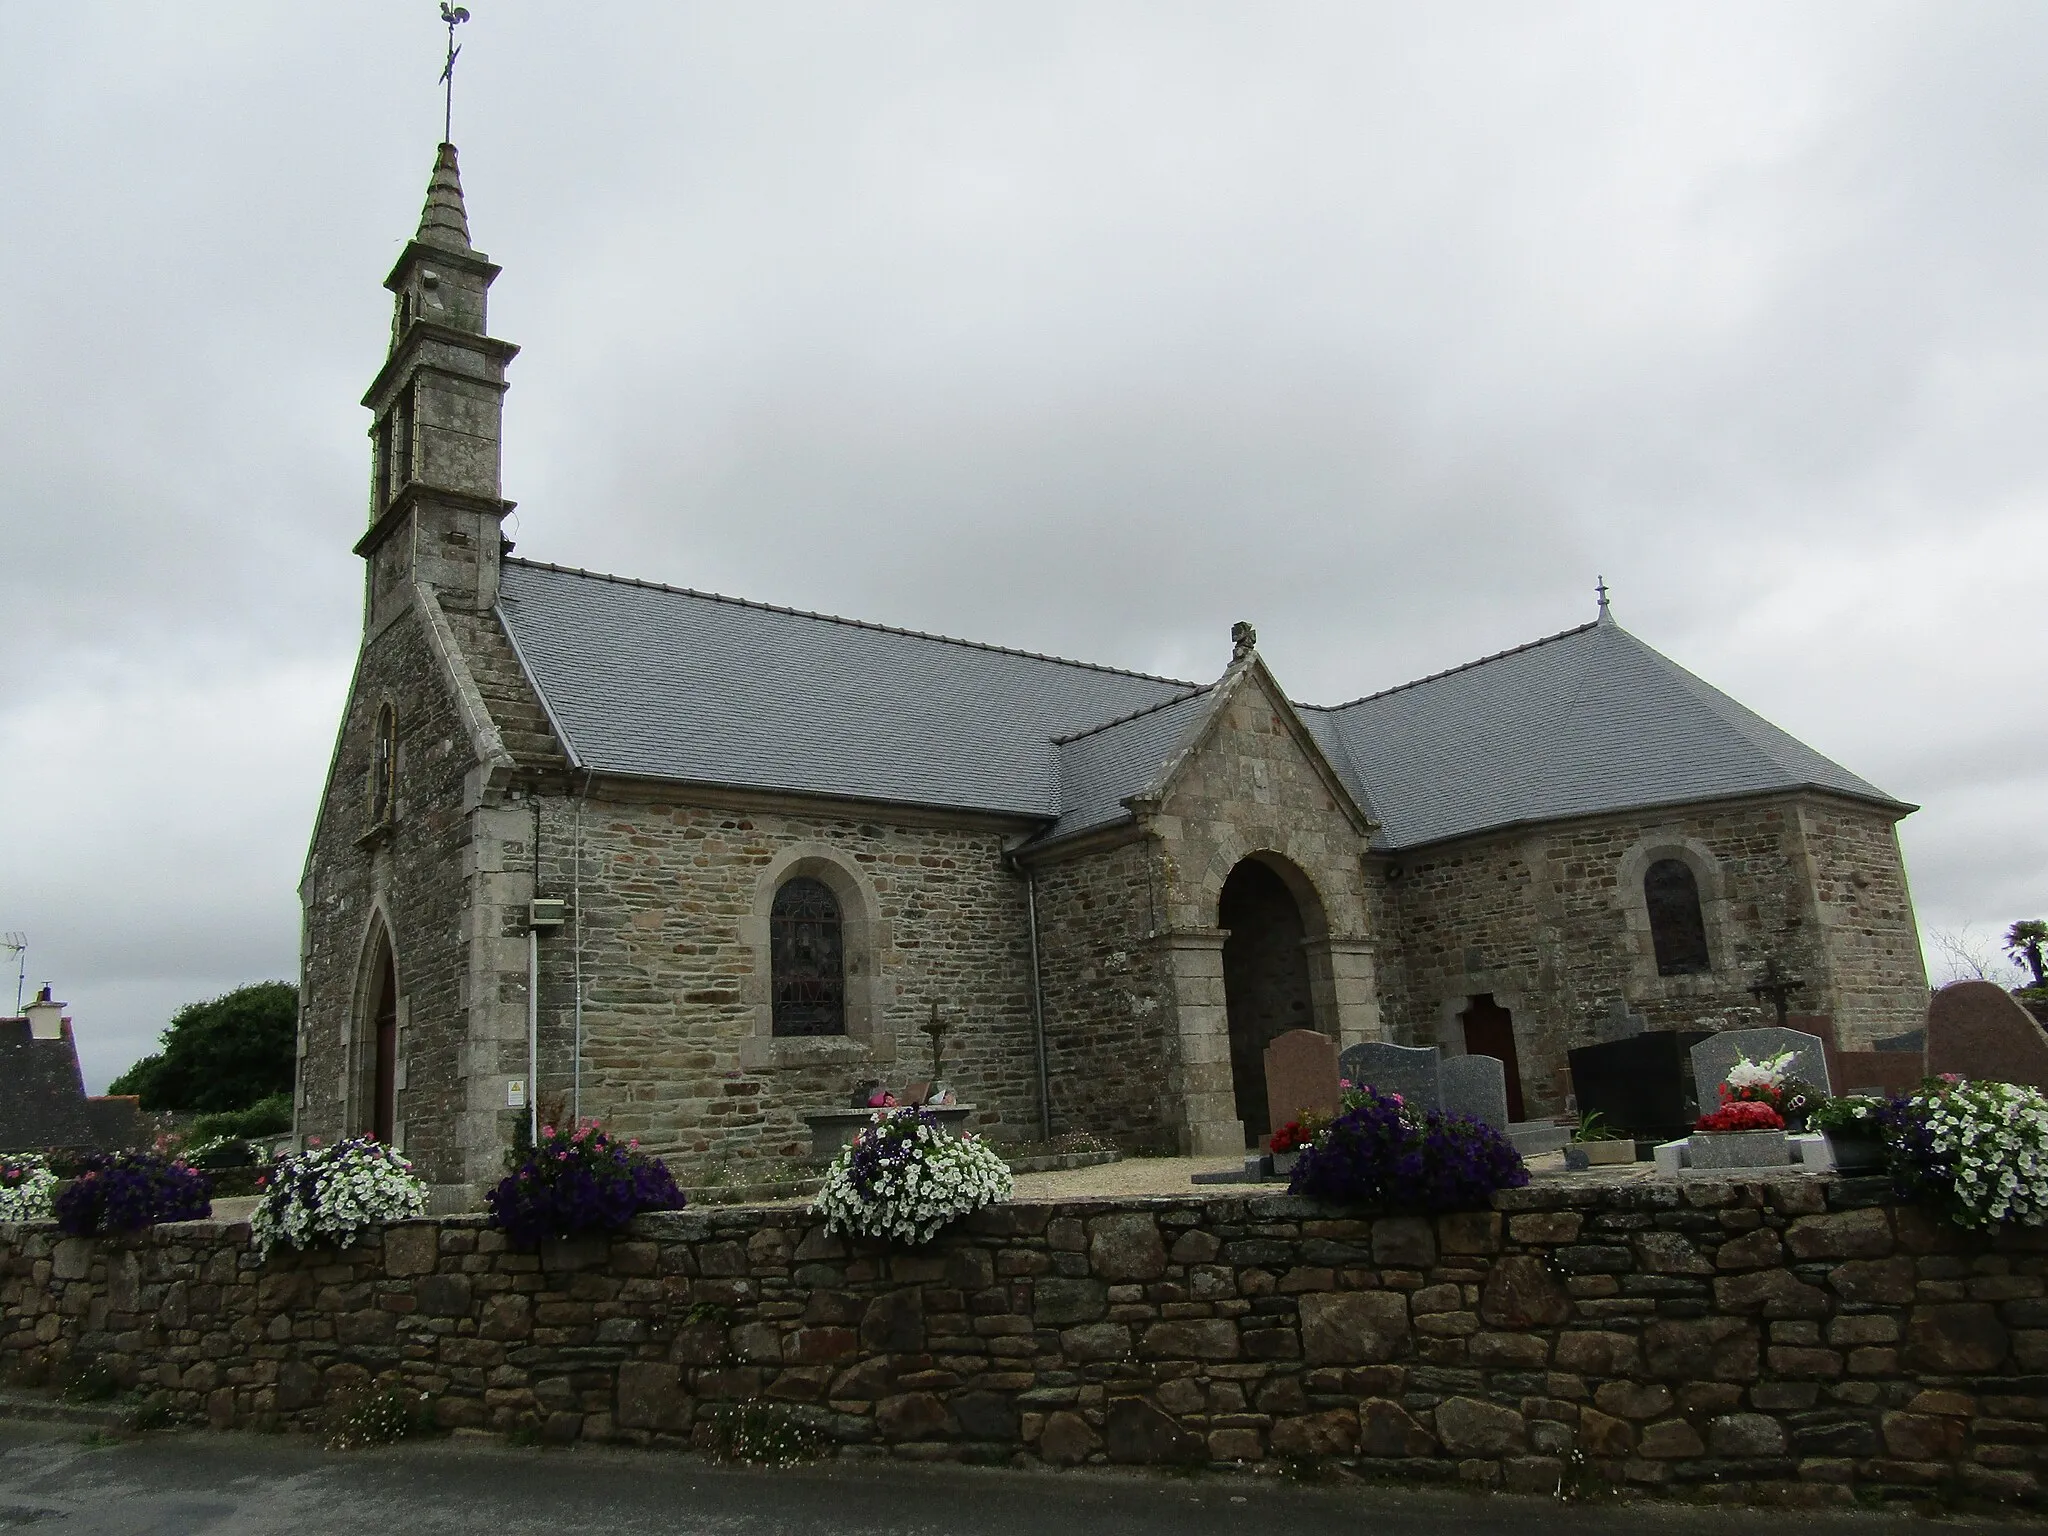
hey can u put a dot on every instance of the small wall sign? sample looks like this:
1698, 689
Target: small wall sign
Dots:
515, 1093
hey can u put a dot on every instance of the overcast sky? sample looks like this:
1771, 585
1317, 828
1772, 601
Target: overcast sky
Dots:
1085, 328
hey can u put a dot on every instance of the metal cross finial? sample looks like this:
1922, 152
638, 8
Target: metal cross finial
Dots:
1601, 588
454, 16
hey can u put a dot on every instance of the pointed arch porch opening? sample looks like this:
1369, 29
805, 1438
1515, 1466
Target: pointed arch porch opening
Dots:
1269, 920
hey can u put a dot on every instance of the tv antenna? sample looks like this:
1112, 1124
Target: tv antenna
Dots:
17, 945
454, 16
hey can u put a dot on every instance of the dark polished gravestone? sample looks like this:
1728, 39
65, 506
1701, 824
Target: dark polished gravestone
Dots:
1413, 1072
1641, 1086
1975, 1029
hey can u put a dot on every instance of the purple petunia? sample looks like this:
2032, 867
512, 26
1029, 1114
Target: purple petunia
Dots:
579, 1181
1374, 1154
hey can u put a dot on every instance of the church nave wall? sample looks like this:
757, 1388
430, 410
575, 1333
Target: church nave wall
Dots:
677, 1048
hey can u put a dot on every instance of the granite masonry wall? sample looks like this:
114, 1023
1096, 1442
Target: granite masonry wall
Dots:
1797, 1339
1551, 923
411, 877
1108, 1014
678, 1047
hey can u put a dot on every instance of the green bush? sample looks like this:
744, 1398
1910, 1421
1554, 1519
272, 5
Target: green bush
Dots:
271, 1116
224, 1054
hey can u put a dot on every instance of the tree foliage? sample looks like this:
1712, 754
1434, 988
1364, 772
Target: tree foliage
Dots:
227, 1053
2025, 941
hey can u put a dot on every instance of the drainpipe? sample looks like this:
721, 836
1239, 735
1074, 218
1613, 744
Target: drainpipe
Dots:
1038, 1011
576, 944
1037, 988
532, 1035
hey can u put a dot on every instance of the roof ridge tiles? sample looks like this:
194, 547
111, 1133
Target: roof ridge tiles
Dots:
1513, 650
1194, 691
833, 618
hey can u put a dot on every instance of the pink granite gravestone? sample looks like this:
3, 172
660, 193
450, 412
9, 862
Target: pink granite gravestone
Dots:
1975, 1029
1301, 1073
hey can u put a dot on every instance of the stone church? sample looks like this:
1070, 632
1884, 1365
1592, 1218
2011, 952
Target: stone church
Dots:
697, 865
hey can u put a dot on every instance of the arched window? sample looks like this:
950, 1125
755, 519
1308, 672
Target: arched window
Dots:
384, 767
1678, 928
807, 954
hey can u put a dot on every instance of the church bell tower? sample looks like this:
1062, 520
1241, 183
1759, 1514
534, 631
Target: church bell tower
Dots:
438, 405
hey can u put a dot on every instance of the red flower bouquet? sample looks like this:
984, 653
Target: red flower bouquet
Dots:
1742, 1115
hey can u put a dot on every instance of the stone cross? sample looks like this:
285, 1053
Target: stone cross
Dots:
1777, 988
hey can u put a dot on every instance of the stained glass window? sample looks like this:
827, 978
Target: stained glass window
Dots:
808, 958
1678, 928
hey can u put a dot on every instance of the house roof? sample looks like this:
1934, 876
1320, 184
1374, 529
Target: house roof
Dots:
42, 1094
665, 683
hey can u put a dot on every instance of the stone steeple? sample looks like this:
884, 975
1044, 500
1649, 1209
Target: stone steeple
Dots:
437, 405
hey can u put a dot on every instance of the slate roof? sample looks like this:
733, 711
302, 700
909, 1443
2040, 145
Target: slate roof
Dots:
1587, 721
665, 683
42, 1093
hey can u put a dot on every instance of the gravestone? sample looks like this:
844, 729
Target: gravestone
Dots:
1414, 1072
1301, 1074
1714, 1056
1975, 1029
1476, 1086
1617, 1023
1641, 1086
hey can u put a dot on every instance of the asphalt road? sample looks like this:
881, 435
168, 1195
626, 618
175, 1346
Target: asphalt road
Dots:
62, 1482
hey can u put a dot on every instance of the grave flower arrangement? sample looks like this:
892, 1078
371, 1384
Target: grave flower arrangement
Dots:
1296, 1134
1741, 1115
903, 1177
1375, 1153
579, 1180
27, 1187
1770, 1082
332, 1194
127, 1191
1979, 1149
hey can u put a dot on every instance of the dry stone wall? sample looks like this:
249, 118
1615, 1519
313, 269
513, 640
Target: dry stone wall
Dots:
1800, 1338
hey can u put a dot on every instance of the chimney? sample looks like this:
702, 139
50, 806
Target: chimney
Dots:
45, 1018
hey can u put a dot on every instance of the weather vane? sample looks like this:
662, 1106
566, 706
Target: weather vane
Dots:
454, 16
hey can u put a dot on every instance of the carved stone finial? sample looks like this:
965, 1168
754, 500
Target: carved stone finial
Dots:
1243, 640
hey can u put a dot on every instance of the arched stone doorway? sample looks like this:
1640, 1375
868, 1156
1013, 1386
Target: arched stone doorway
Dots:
380, 1042
1265, 980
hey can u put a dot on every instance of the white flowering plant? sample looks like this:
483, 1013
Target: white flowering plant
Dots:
27, 1187
333, 1194
903, 1177
1980, 1148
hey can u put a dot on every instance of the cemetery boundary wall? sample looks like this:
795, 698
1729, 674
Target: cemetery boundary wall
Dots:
1800, 1338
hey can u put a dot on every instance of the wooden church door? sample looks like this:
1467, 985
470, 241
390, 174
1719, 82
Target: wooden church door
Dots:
1490, 1031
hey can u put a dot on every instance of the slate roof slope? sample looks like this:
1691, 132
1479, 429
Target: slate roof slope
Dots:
661, 682
42, 1094
1099, 768
1587, 721
665, 683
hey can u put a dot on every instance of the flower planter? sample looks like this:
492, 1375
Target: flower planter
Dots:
1283, 1163
1856, 1151
1739, 1149
1604, 1153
